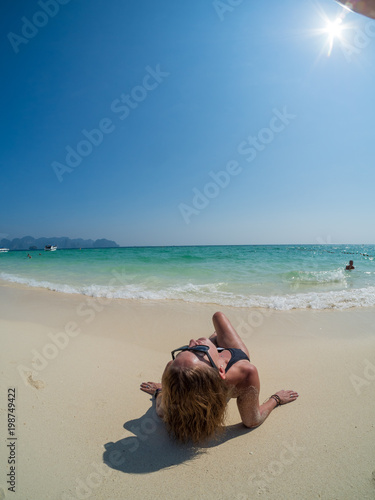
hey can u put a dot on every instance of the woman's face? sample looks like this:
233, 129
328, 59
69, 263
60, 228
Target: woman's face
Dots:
192, 359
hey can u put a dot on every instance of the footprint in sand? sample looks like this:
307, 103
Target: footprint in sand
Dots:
38, 384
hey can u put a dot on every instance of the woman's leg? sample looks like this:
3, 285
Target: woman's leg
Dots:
226, 334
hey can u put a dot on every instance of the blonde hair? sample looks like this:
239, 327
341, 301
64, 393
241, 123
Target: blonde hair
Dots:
194, 402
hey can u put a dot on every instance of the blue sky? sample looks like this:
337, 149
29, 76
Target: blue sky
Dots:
178, 92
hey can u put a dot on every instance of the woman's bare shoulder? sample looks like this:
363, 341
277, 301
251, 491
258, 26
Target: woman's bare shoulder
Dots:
242, 375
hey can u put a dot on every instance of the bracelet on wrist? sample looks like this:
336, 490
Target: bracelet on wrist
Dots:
156, 393
277, 399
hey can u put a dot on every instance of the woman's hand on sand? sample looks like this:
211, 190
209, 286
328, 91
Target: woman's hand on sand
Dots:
150, 387
287, 396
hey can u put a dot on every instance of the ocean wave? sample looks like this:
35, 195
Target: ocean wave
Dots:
316, 277
214, 293
343, 299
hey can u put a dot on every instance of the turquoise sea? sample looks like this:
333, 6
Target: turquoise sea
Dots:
273, 276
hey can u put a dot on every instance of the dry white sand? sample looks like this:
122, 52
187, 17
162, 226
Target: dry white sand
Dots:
85, 430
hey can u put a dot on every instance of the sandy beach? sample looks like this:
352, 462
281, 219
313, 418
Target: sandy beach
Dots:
83, 428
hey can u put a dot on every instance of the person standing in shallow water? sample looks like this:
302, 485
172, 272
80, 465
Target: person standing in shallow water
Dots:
201, 378
350, 266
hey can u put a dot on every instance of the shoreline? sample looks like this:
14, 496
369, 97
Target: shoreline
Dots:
15, 284
82, 401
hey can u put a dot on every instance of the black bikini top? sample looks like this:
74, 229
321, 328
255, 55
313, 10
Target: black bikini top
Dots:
237, 355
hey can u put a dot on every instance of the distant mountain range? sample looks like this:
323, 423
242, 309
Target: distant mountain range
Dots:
30, 243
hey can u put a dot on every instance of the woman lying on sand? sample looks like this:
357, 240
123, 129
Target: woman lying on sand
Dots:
202, 377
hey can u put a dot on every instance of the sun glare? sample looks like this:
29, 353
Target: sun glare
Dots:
333, 31
334, 28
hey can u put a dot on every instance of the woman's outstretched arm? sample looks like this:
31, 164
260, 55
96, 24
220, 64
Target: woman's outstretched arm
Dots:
252, 413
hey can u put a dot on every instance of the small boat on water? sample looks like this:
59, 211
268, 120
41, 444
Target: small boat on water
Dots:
4, 250
50, 248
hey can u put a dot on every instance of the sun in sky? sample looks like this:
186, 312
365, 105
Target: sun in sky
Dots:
334, 30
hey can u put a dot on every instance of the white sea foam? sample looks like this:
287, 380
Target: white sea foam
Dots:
214, 293
317, 277
343, 299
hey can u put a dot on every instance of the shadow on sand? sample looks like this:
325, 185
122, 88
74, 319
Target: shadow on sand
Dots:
150, 448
